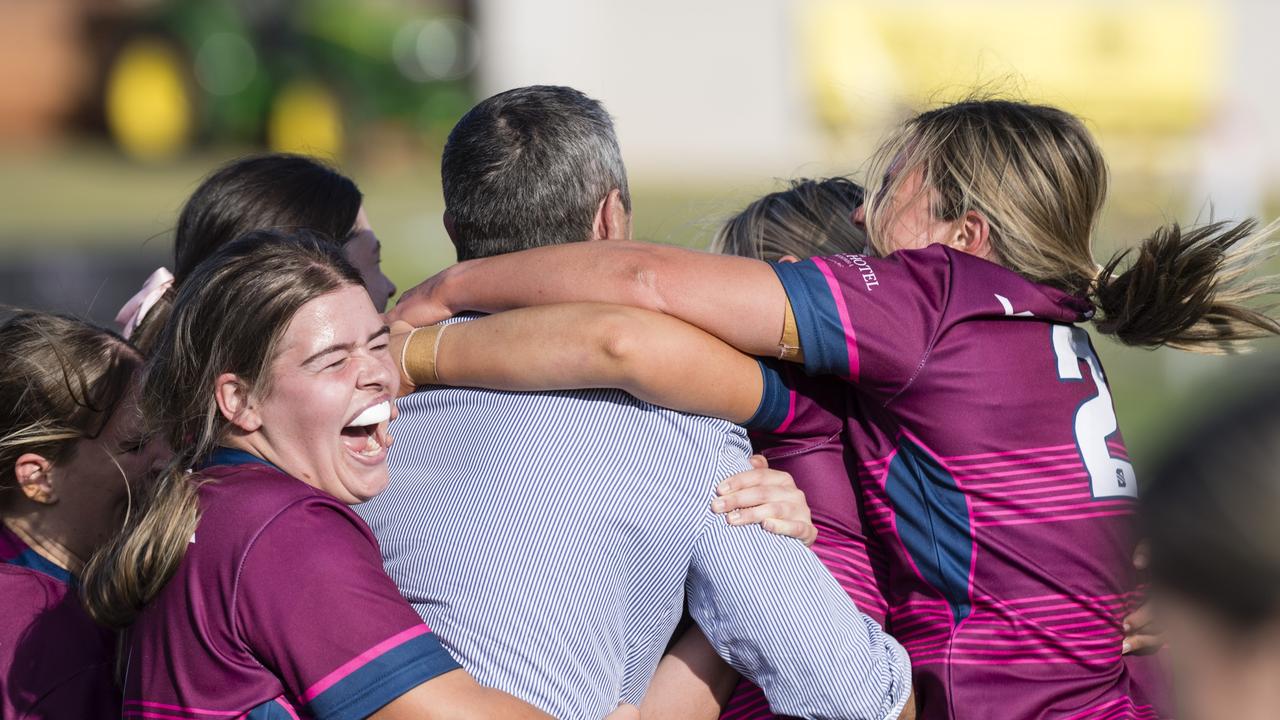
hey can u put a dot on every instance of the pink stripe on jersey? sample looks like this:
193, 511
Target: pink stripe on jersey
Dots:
362, 659
1107, 710
791, 412
1007, 453
288, 707
850, 338
179, 708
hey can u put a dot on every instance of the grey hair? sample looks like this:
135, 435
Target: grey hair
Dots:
528, 167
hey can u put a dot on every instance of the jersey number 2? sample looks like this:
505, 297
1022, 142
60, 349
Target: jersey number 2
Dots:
1095, 419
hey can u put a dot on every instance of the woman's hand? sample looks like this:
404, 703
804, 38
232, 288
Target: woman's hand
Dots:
422, 304
769, 498
1141, 636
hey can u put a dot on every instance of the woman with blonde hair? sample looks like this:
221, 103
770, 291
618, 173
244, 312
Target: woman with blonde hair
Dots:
988, 454
70, 444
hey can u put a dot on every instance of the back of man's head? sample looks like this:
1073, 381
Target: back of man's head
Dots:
529, 167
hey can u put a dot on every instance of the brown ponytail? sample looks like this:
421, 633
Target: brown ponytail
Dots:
228, 317
1189, 289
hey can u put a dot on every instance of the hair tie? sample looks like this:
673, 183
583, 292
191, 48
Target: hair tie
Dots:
131, 315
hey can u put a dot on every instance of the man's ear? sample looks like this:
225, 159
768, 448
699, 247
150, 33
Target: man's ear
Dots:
450, 230
35, 476
973, 235
612, 221
235, 402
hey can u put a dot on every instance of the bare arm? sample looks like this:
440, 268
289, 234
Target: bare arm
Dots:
457, 696
692, 682
656, 358
735, 299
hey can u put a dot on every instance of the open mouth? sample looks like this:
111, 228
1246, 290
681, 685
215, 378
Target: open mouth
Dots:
366, 435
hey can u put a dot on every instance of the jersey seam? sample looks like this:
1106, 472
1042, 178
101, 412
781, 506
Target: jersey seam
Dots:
817, 445
235, 585
937, 331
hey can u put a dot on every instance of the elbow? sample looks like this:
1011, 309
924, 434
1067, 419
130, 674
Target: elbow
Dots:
621, 341
643, 273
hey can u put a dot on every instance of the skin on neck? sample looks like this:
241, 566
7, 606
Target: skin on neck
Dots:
49, 531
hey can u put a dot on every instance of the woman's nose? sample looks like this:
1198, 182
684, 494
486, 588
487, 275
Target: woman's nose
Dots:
378, 372
860, 216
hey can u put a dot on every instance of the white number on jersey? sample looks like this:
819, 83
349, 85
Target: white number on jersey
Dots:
1096, 418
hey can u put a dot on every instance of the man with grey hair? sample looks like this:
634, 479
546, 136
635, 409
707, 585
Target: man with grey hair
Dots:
550, 539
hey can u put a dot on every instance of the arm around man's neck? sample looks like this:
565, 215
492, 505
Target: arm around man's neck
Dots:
738, 300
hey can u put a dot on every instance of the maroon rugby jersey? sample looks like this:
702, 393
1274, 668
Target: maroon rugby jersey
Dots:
280, 609
992, 472
810, 445
55, 662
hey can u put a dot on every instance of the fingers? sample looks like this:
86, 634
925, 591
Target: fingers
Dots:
1141, 644
417, 306
1140, 632
759, 462
761, 495
752, 478
1142, 555
802, 531
1138, 620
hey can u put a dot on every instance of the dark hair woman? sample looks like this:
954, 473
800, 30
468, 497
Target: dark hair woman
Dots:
261, 192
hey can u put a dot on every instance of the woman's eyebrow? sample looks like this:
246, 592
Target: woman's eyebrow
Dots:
384, 330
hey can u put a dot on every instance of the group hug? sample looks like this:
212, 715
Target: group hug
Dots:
858, 460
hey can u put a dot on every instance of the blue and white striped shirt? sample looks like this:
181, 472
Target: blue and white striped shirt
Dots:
549, 540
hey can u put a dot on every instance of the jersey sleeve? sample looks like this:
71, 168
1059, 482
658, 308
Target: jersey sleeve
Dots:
807, 438
869, 320
314, 606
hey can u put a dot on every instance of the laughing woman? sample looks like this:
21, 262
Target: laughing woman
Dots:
247, 586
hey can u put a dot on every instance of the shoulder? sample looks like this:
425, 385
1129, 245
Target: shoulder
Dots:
48, 643
238, 503
28, 592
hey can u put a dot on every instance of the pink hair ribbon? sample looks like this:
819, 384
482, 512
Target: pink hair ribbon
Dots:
131, 315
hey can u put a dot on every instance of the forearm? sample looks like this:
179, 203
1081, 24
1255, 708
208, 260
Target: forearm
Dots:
736, 299
656, 358
691, 682
457, 696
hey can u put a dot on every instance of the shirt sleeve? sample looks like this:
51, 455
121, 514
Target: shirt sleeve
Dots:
774, 613
871, 321
315, 606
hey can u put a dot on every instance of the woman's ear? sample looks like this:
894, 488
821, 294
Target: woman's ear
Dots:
235, 402
35, 476
973, 235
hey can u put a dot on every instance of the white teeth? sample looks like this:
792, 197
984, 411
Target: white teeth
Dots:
379, 413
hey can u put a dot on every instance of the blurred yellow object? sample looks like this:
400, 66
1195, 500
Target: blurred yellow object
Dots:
1142, 65
148, 108
306, 118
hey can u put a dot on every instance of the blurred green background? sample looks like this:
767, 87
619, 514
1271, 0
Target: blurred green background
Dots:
113, 111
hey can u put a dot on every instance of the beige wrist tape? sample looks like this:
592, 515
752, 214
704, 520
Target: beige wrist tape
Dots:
418, 359
789, 344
